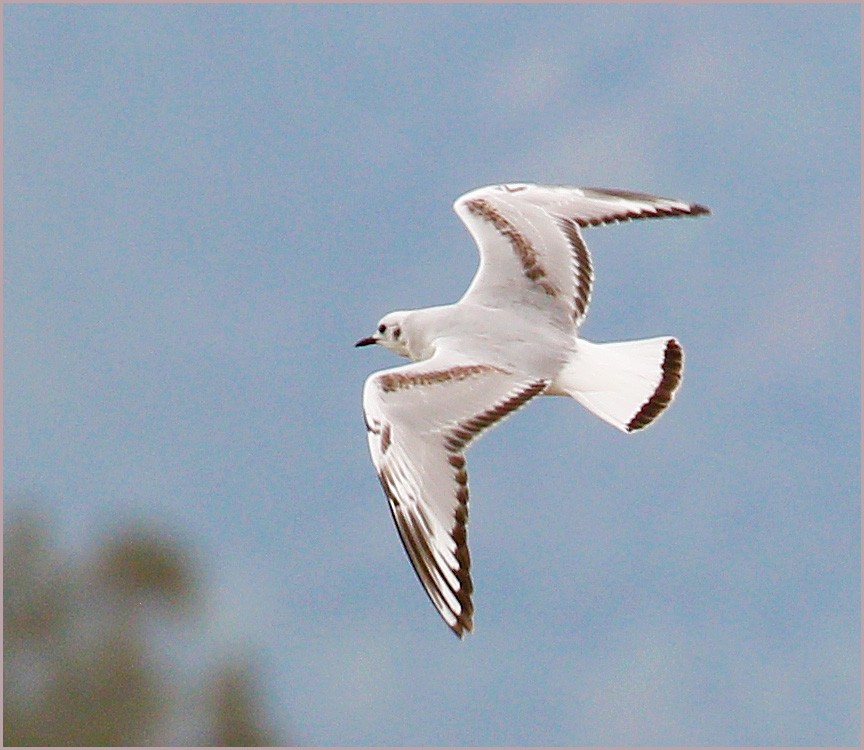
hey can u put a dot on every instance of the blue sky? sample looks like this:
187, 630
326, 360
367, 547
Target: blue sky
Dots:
205, 206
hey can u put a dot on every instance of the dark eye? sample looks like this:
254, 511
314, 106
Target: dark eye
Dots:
397, 333
382, 328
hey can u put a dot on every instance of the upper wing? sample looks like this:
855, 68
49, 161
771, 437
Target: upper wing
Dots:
420, 418
531, 249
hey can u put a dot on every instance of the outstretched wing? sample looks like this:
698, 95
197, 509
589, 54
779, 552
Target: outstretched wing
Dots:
531, 247
420, 418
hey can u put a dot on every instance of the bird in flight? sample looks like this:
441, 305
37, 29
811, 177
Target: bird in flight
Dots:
512, 336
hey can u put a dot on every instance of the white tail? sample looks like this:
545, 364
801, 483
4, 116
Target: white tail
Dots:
628, 383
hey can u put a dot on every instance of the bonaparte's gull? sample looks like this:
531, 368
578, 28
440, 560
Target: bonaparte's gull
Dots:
512, 336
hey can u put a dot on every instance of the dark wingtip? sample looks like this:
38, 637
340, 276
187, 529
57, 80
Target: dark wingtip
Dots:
462, 627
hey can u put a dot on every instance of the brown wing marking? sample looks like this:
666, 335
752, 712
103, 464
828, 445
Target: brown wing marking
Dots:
652, 212
582, 270
524, 250
394, 381
414, 529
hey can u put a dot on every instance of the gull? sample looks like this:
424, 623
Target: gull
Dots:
512, 336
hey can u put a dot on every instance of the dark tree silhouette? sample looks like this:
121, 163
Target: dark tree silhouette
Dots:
80, 664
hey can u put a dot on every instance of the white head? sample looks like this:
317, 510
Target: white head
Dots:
391, 334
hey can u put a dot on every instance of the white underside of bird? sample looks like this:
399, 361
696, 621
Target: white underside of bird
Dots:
512, 336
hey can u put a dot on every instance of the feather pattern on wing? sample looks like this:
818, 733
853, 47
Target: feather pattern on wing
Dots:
418, 433
531, 247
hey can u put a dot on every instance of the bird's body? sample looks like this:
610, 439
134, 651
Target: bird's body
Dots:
517, 339
512, 336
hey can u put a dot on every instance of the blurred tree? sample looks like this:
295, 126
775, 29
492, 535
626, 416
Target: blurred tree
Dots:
234, 710
79, 667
